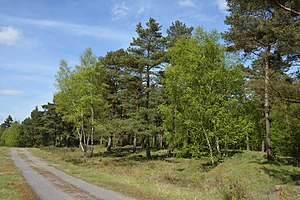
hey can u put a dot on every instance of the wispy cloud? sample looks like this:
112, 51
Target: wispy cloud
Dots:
10, 36
120, 10
204, 18
143, 8
198, 17
187, 3
10, 92
222, 5
73, 28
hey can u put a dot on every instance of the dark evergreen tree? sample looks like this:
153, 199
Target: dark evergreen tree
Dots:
177, 30
7, 122
148, 50
33, 130
116, 73
60, 133
52, 123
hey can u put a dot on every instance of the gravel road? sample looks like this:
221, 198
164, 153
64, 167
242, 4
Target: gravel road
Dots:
50, 184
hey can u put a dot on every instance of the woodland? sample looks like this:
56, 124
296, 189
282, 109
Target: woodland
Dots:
194, 92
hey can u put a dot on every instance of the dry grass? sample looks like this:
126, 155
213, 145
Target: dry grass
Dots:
12, 184
244, 176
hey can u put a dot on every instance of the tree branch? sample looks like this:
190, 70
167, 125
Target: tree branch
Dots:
285, 8
281, 96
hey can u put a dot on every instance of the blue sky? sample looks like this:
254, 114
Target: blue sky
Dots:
36, 34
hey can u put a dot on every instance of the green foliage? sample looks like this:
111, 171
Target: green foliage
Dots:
258, 29
286, 134
1, 133
80, 99
206, 97
12, 135
258, 24
2, 136
181, 91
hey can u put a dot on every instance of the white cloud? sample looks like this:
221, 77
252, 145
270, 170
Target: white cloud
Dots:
222, 5
120, 10
187, 3
11, 92
9, 36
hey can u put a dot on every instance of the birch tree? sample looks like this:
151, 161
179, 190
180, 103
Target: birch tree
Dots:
205, 92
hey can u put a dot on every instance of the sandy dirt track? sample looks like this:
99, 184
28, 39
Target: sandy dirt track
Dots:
50, 184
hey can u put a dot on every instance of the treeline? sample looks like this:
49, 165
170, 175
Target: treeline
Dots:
185, 91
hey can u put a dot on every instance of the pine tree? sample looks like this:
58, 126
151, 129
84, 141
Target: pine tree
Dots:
7, 122
148, 50
258, 28
177, 30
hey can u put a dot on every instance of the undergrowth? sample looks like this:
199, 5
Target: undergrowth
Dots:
245, 175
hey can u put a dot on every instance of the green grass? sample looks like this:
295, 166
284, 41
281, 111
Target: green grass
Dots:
245, 175
12, 184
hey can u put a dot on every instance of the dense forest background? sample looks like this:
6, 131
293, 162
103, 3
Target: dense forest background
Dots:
196, 93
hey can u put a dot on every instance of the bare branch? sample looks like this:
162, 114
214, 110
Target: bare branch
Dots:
285, 8
281, 96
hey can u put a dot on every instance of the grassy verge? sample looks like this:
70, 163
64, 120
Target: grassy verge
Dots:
12, 184
243, 176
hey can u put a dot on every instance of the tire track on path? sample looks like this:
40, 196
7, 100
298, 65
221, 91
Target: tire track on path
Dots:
49, 183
